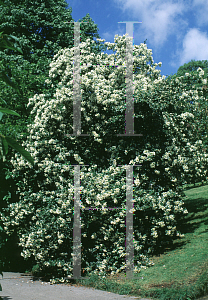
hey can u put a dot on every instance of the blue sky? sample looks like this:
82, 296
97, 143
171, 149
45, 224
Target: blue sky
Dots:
176, 31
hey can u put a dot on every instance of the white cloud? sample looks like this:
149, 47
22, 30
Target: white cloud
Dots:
159, 18
195, 46
202, 11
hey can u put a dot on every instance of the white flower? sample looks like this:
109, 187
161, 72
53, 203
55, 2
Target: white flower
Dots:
152, 165
117, 190
137, 182
201, 72
157, 172
59, 264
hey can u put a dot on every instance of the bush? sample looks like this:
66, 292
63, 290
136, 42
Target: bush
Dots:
169, 154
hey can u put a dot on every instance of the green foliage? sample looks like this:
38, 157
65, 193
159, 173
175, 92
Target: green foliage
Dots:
5, 43
169, 153
188, 76
43, 28
192, 67
5, 140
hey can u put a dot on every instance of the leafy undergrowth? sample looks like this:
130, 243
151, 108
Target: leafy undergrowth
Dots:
179, 272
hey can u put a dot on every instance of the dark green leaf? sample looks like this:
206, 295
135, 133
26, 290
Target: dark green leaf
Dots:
4, 145
4, 77
20, 149
9, 111
14, 37
5, 43
4, 101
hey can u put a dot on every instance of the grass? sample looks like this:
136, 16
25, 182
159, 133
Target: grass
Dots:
180, 272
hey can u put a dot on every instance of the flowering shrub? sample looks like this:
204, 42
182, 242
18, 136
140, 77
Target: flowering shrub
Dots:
168, 153
191, 88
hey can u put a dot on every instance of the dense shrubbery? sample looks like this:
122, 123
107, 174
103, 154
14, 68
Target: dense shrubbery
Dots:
169, 152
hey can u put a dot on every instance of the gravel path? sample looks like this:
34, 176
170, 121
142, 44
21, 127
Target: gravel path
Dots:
19, 286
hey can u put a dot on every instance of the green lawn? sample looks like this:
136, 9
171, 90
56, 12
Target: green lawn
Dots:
180, 272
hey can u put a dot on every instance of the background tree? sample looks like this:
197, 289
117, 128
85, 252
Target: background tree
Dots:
191, 68
43, 28
191, 82
5, 43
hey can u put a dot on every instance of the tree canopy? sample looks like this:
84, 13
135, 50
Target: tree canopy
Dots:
187, 74
191, 68
43, 28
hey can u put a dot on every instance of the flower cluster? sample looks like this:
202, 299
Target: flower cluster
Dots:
167, 155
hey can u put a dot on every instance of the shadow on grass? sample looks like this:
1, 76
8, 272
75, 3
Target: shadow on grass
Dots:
189, 224
196, 216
